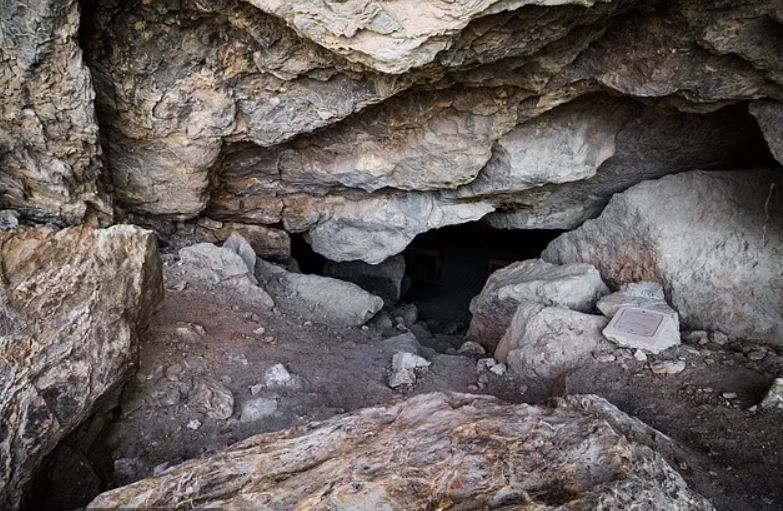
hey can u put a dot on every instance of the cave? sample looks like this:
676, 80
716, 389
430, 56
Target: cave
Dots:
447, 267
406, 254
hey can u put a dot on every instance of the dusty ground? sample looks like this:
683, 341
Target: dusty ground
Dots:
733, 455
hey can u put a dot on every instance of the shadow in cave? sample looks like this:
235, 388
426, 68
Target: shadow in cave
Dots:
447, 267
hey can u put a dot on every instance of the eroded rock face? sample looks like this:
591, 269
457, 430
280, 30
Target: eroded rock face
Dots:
426, 451
72, 305
682, 230
49, 149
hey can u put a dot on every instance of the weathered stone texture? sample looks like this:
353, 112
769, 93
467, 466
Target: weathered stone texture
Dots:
72, 305
49, 150
430, 451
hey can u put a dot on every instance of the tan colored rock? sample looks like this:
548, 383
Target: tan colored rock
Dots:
72, 306
432, 451
49, 148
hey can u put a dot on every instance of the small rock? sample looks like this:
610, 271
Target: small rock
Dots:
162, 467
278, 376
757, 355
604, 357
259, 408
719, 338
696, 337
383, 322
259, 331
473, 387
173, 372
640, 356
401, 378
190, 331
402, 361
193, 424
214, 398
498, 369
729, 395
485, 364
774, 397
257, 388
168, 396
668, 367
471, 348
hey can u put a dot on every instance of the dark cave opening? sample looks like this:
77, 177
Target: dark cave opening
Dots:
445, 268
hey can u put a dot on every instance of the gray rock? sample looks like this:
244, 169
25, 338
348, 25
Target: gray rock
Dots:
323, 299
382, 279
402, 378
471, 348
258, 408
378, 226
707, 235
8, 219
213, 398
405, 360
406, 343
575, 286
443, 430
213, 262
73, 303
774, 396
278, 376
769, 115
50, 155
240, 246
668, 367
541, 342
643, 328
648, 295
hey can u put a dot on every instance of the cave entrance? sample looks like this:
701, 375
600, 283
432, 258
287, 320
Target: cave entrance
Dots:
447, 267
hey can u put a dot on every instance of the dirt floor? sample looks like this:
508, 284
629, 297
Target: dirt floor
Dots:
207, 351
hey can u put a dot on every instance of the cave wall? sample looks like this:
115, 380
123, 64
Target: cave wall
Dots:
363, 124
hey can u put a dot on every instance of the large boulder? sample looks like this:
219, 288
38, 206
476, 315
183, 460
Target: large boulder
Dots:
573, 286
432, 451
323, 299
713, 239
72, 305
543, 342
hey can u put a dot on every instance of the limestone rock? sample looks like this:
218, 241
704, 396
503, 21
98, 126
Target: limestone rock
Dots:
377, 227
50, 156
216, 263
267, 242
383, 279
710, 237
646, 143
455, 442
72, 305
769, 115
774, 396
649, 295
392, 38
574, 286
258, 408
213, 398
278, 376
541, 342
322, 299
240, 246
